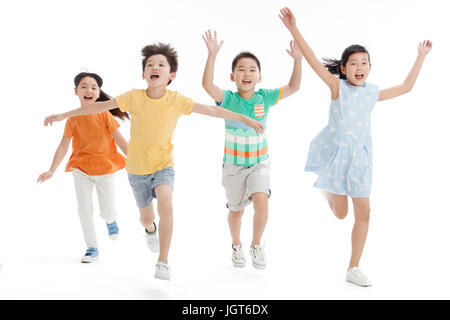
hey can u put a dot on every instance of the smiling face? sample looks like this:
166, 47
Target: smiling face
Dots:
157, 71
357, 68
246, 74
87, 91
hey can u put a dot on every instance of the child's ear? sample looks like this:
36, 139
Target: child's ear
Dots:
143, 77
172, 75
76, 91
343, 70
232, 77
260, 78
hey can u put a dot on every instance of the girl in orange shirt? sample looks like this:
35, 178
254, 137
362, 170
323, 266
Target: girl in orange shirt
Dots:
93, 161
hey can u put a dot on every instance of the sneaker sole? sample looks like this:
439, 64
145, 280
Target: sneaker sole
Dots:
360, 285
162, 277
89, 260
239, 265
258, 266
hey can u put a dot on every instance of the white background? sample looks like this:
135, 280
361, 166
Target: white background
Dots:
45, 44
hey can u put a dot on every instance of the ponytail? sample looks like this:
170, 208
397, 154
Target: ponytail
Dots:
334, 66
115, 112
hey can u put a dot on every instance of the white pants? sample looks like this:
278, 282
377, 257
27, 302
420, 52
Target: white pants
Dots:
104, 185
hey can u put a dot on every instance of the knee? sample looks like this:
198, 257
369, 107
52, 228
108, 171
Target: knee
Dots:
236, 215
340, 213
362, 214
260, 201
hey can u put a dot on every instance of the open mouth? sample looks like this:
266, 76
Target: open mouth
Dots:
88, 98
154, 76
246, 81
359, 76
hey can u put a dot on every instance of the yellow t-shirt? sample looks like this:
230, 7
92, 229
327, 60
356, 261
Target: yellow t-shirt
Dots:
152, 124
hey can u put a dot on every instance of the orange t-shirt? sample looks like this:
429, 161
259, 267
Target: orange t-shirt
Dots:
94, 148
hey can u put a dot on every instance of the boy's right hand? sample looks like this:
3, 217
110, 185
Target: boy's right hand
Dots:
211, 43
45, 176
254, 124
54, 117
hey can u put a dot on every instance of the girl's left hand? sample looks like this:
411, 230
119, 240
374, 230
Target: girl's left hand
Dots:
425, 47
295, 51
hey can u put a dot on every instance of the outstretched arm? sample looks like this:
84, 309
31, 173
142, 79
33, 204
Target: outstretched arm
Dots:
60, 153
219, 112
294, 82
96, 107
208, 74
408, 84
288, 19
120, 141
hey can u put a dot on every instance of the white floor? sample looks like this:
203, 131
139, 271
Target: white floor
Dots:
308, 249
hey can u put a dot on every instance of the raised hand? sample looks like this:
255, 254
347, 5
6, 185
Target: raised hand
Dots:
54, 117
45, 176
211, 42
295, 51
424, 47
287, 16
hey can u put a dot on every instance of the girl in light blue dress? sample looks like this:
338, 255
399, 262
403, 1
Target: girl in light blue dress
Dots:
341, 154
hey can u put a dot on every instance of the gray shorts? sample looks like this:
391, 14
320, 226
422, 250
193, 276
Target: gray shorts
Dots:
144, 185
241, 182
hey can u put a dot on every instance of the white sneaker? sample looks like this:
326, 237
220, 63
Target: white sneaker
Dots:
152, 240
356, 276
162, 271
238, 256
258, 257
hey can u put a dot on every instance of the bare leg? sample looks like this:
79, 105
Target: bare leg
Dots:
165, 210
360, 229
147, 216
338, 204
261, 207
234, 222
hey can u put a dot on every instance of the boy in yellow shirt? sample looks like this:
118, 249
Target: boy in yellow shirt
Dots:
154, 114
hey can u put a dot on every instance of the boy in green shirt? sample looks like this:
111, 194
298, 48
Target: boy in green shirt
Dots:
246, 163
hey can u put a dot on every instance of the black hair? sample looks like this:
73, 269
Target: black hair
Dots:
161, 48
334, 65
103, 96
245, 54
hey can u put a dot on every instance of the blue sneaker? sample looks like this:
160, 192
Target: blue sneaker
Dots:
113, 230
90, 256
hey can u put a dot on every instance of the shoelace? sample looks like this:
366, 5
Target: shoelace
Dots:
237, 253
112, 227
257, 251
163, 266
90, 252
358, 274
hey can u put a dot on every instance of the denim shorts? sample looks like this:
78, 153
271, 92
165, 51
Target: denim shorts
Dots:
144, 185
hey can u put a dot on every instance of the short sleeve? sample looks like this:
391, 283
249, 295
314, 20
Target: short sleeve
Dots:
124, 101
111, 123
185, 104
271, 96
68, 130
227, 97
